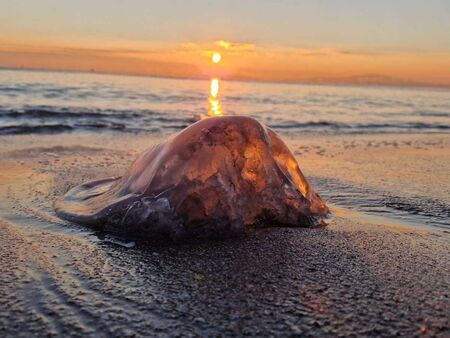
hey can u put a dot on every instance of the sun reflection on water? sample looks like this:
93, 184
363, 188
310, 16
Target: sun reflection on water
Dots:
215, 108
214, 88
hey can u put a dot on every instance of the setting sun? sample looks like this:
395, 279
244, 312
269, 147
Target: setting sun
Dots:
216, 57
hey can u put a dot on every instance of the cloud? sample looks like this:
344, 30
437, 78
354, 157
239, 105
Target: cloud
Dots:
228, 46
241, 60
190, 45
110, 50
235, 46
360, 52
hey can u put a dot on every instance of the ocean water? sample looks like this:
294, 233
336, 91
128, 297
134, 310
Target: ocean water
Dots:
57, 102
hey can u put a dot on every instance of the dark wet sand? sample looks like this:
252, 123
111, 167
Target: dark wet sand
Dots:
351, 278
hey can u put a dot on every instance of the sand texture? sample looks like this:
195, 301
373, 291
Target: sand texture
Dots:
367, 273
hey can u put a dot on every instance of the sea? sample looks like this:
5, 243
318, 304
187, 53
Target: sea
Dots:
49, 102
61, 102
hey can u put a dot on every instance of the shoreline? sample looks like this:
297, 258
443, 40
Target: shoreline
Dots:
329, 162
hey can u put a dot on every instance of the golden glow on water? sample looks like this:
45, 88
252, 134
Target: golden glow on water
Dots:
214, 88
215, 108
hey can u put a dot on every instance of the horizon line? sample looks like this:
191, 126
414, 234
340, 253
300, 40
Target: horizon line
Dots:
398, 83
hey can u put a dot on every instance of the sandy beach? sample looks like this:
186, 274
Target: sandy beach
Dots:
372, 271
225, 169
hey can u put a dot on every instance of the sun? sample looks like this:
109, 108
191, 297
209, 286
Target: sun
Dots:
216, 57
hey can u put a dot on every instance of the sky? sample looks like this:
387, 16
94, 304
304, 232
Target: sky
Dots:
364, 41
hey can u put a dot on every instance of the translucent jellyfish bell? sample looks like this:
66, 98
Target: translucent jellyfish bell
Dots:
213, 179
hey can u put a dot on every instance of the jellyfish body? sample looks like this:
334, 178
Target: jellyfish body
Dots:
215, 178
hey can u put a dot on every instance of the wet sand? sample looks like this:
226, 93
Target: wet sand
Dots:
362, 275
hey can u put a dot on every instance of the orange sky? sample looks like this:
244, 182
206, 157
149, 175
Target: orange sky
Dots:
241, 61
338, 41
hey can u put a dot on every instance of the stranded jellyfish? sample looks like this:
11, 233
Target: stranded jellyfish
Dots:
215, 178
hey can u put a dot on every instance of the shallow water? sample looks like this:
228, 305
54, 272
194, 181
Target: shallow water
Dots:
55, 102
384, 207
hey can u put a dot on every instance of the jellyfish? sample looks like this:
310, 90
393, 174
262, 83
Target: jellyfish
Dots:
218, 177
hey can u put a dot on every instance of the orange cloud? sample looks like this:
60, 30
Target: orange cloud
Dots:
235, 46
241, 61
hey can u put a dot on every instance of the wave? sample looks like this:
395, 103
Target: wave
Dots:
358, 126
68, 113
26, 129
432, 114
48, 119
61, 128
45, 120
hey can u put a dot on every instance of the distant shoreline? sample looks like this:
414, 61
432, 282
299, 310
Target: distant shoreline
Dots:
398, 84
